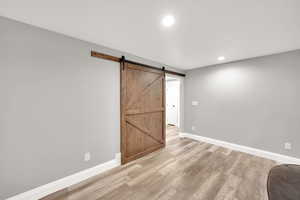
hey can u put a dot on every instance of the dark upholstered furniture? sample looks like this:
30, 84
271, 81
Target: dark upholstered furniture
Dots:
284, 182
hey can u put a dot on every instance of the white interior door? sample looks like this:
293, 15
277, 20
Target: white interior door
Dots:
172, 102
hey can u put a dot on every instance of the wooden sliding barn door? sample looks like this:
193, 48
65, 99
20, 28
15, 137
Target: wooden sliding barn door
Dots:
142, 110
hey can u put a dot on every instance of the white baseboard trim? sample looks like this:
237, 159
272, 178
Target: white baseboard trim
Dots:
65, 182
253, 151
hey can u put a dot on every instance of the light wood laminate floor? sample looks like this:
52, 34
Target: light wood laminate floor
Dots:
185, 169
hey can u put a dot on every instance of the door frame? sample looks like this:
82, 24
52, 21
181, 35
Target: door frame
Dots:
181, 100
178, 107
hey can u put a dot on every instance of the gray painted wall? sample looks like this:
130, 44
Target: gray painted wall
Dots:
56, 103
254, 102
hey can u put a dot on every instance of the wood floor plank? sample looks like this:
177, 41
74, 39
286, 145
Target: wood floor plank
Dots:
184, 169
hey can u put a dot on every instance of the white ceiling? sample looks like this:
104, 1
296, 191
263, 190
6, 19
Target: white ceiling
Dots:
204, 29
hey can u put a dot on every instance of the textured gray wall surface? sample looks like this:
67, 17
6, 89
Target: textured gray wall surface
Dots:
253, 102
56, 103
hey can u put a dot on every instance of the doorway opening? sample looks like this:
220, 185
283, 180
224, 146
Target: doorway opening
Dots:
173, 101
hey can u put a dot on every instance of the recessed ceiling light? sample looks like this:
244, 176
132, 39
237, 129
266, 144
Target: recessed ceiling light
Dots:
168, 20
221, 58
